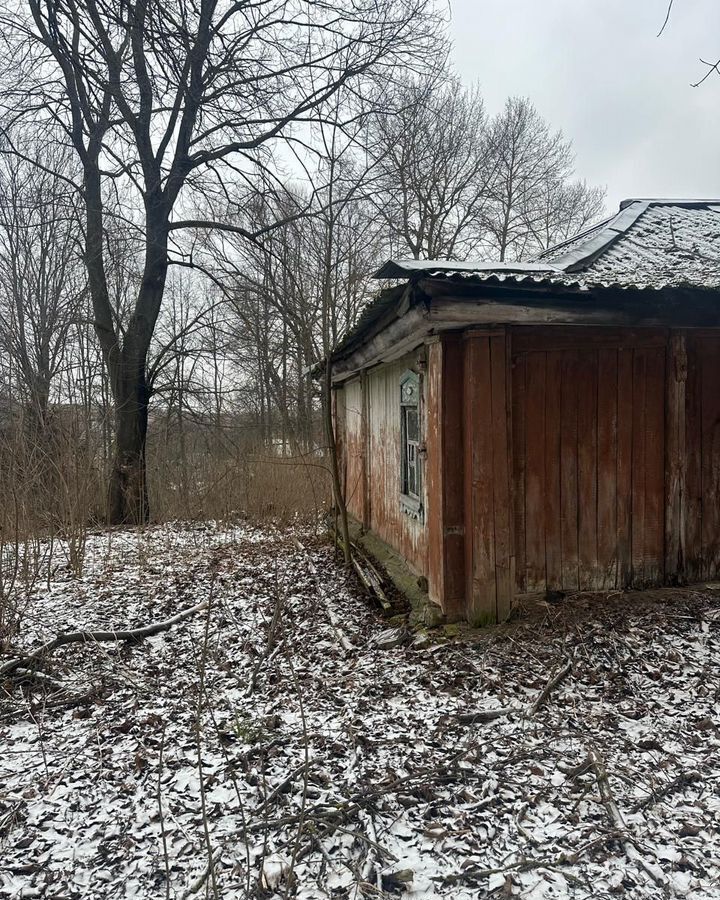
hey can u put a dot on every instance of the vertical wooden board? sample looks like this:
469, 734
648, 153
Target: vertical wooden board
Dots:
624, 467
553, 511
587, 470
693, 464
711, 458
519, 412
607, 530
354, 449
638, 469
535, 566
479, 385
468, 445
382, 443
434, 474
675, 457
654, 545
569, 471
366, 474
338, 412
453, 474
502, 509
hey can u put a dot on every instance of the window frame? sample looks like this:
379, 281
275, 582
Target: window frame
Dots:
411, 501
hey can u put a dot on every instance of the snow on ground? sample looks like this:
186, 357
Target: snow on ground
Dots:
304, 761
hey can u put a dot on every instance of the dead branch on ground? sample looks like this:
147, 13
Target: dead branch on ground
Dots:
339, 633
89, 637
680, 781
597, 766
488, 715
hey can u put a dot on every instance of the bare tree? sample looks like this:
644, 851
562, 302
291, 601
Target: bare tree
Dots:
561, 210
532, 198
165, 102
432, 169
42, 282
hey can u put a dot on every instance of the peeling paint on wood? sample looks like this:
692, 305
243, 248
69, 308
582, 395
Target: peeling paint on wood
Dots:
590, 450
591, 462
387, 519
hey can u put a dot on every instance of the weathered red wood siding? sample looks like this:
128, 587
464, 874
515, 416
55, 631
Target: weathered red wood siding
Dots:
559, 457
489, 555
368, 418
588, 407
445, 474
701, 538
348, 418
386, 517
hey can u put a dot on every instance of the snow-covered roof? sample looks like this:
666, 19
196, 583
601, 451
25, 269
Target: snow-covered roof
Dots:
404, 268
646, 247
647, 244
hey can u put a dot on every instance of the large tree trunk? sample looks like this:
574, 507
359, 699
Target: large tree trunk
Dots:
127, 489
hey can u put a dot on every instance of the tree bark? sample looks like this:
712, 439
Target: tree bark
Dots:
127, 489
128, 502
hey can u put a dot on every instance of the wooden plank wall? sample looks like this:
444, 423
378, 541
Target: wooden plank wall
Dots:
385, 516
702, 444
349, 418
588, 411
489, 556
445, 510
586, 459
367, 413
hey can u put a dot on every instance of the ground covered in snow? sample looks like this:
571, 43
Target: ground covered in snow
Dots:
269, 746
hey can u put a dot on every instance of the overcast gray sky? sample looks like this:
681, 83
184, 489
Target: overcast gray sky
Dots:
596, 69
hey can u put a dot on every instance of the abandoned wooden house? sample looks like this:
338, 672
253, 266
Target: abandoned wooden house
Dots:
552, 425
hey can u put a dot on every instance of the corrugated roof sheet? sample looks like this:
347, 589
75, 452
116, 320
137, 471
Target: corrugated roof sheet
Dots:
648, 244
404, 268
668, 244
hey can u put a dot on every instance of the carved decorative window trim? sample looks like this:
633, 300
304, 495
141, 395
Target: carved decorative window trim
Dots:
411, 447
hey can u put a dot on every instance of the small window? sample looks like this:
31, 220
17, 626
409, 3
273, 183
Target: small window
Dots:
411, 473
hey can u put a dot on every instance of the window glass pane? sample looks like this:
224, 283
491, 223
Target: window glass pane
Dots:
411, 424
410, 436
412, 479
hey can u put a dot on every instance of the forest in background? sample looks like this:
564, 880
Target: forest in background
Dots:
267, 262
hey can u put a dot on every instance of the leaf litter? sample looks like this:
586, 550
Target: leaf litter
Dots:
270, 746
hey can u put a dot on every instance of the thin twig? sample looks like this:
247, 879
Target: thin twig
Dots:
161, 814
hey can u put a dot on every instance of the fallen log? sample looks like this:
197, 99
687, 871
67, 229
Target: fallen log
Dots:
94, 637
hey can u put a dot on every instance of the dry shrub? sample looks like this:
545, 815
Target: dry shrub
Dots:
247, 484
49, 491
53, 489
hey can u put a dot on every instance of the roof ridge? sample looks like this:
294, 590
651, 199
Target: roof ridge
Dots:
405, 268
591, 229
605, 235
669, 201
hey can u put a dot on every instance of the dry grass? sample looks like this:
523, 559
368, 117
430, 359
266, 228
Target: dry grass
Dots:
249, 485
